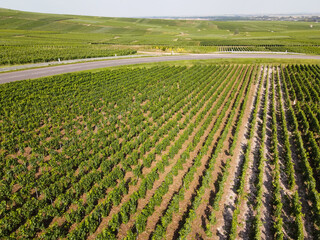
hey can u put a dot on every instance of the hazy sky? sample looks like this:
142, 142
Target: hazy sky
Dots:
137, 8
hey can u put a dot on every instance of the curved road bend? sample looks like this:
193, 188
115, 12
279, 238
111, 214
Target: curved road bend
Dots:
54, 70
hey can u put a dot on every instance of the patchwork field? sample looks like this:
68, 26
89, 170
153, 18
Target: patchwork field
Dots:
27, 37
167, 152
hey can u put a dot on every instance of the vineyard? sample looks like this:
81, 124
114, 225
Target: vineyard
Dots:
271, 48
27, 37
241, 48
21, 54
167, 152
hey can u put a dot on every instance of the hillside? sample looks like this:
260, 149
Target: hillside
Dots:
190, 148
44, 37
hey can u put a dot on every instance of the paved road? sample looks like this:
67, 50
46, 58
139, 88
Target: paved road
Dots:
47, 64
54, 70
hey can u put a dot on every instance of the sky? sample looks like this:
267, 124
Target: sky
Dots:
148, 8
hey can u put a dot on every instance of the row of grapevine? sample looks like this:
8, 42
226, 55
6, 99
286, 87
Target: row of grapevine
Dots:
78, 192
185, 230
159, 166
51, 172
307, 169
162, 152
143, 214
43, 53
277, 201
149, 179
261, 164
289, 166
167, 218
245, 164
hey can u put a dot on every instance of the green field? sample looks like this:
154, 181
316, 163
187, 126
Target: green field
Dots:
162, 152
201, 149
35, 37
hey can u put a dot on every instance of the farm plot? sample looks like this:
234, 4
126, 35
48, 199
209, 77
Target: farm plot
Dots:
168, 152
242, 49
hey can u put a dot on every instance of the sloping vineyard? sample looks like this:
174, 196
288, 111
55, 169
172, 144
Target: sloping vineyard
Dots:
242, 49
21, 54
167, 152
314, 49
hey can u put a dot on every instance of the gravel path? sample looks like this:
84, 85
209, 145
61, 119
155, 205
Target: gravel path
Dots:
54, 70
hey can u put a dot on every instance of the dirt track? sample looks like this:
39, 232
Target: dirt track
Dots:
49, 71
